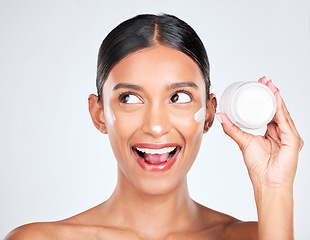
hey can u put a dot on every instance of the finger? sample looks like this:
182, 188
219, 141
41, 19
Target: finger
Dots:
240, 137
263, 80
272, 132
280, 117
273, 88
283, 119
287, 126
292, 124
289, 118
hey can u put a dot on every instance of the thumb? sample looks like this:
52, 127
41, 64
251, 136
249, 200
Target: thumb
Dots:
240, 137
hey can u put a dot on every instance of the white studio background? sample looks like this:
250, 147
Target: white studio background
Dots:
55, 164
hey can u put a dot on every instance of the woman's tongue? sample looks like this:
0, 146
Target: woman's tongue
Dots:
155, 158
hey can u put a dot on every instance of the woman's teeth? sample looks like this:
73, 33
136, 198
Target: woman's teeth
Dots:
156, 156
156, 151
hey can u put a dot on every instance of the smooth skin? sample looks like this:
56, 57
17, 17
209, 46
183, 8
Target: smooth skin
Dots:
160, 86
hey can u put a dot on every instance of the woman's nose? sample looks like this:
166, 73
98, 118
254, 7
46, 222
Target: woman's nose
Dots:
156, 121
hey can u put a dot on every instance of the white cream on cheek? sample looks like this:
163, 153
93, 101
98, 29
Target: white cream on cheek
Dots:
109, 115
199, 115
156, 128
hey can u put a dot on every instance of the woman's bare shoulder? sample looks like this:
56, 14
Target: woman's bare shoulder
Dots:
64, 229
67, 230
33, 231
53, 230
223, 226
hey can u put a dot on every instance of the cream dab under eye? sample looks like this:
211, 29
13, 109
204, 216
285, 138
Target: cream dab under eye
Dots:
181, 97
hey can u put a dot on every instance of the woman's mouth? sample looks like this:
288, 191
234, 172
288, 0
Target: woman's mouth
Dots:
156, 156
156, 159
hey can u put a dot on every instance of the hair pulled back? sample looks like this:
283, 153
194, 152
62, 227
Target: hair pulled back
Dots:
149, 30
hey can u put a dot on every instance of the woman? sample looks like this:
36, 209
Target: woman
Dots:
154, 103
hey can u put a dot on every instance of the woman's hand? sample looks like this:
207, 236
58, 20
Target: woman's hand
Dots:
272, 159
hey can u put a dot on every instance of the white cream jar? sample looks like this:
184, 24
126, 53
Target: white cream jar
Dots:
249, 105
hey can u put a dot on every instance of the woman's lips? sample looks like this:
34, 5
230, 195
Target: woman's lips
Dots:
156, 158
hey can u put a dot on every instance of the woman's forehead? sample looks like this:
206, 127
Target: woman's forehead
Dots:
154, 64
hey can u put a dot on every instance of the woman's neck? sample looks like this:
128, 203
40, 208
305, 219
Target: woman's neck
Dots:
151, 214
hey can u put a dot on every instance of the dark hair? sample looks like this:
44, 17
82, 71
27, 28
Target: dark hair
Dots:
145, 31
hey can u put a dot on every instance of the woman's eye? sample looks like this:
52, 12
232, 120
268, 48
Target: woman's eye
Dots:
129, 98
180, 97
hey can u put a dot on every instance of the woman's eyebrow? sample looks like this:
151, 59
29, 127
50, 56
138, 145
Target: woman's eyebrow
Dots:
182, 84
127, 85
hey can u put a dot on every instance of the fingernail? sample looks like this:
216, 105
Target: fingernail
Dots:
219, 118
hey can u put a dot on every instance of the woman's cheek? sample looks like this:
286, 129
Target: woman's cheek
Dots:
127, 123
190, 125
118, 120
189, 122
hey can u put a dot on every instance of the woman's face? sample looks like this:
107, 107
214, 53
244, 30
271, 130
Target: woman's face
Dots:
154, 111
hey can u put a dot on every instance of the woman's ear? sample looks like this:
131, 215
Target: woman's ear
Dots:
210, 112
96, 112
